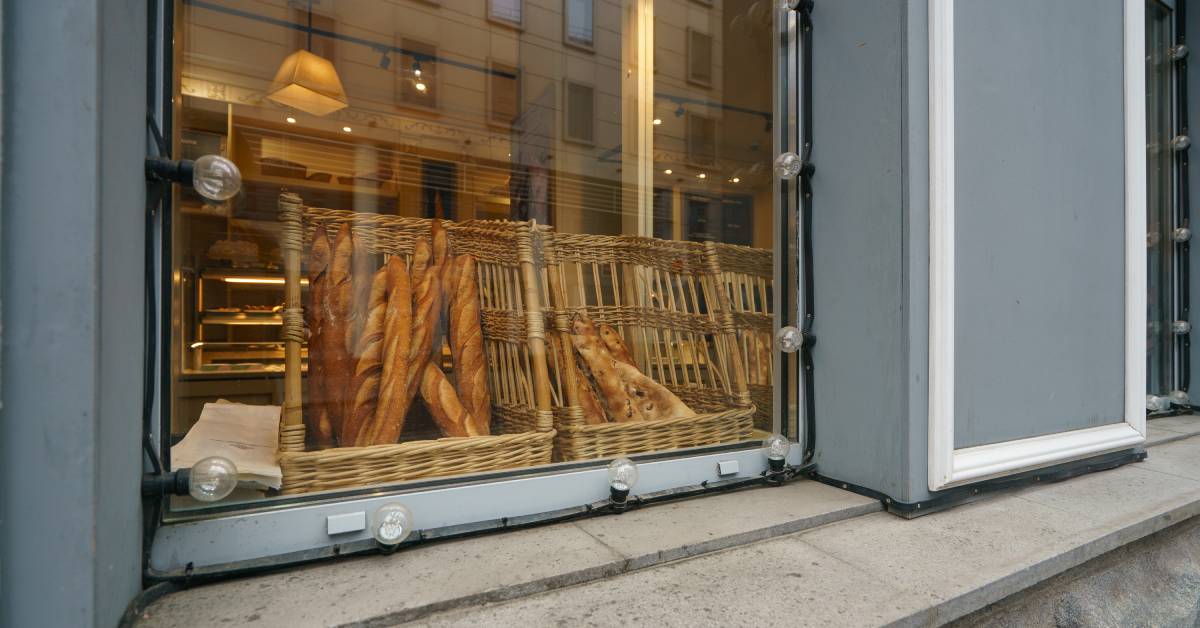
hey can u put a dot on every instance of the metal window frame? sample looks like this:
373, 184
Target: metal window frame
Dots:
289, 530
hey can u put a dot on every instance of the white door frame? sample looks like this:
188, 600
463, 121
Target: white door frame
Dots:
949, 466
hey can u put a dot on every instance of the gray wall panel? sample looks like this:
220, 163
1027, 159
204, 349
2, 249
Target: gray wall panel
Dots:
1040, 218
858, 211
73, 142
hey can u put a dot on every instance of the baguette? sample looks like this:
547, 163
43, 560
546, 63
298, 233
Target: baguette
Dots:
615, 345
448, 412
339, 365
443, 260
362, 277
320, 433
601, 366
426, 299
368, 368
466, 344
653, 400
384, 427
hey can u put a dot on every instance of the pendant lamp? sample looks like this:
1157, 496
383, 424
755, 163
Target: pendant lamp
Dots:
308, 82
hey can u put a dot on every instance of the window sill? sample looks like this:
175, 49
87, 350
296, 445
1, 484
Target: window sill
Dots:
863, 566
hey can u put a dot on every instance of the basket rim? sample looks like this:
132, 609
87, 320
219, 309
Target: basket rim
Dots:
465, 443
734, 412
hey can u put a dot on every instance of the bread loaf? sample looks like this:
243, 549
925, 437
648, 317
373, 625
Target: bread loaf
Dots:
317, 428
442, 259
615, 345
651, 399
426, 296
368, 366
384, 427
439, 397
601, 367
466, 344
339, 300
362, 276
593, 413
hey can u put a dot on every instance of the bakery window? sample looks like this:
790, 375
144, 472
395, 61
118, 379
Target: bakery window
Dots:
467, 255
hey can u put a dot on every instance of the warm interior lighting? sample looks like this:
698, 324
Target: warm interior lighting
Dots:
701, 176
420, 86
667, 171
736, 180
657, 121
346, 129
291, 120
309, 83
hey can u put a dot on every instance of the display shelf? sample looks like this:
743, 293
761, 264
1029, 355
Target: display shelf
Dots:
240, 319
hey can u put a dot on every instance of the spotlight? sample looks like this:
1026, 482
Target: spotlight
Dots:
622, 476
393, 523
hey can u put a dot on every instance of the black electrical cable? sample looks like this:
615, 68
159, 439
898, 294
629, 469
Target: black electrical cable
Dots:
806, 241
1183, 209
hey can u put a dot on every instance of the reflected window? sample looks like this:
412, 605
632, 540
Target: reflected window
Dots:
505, 11
580, 113
579, 22
699, 57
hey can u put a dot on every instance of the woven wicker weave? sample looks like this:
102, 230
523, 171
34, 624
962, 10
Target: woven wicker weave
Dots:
746, 275
664, 299
514, 340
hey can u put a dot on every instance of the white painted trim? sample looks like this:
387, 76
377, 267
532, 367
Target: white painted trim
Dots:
949, 466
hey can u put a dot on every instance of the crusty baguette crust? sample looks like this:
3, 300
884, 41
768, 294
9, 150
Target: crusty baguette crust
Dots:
615, 345
368, 368
426, 299
651, 399
393, 402
438, 395
601, 367
466, 345
443, 260
362, 276
593, 413
339, 300
318, 430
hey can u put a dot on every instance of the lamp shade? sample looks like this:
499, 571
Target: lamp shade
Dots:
309, 83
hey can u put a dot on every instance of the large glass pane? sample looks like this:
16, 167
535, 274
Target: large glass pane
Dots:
541, 231
1160, 201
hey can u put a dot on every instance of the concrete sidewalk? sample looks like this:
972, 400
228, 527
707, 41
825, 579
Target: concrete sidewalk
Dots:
803, 554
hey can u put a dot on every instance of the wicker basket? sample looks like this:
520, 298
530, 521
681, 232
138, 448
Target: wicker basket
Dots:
664, 299
514, 340
746, 274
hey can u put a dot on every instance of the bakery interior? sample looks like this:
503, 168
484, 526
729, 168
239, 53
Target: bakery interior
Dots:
487, 110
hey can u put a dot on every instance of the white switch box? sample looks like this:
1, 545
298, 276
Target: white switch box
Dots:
348, 522
728, 467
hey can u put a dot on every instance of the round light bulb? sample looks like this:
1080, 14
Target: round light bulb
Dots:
347, 129
657, 121
212, 479
393, 523
216, 178
789, 339
291, 120
1157, 403
420, 86
622, 474
776, 447
667, 171
1179, 397
788, 165
701, 176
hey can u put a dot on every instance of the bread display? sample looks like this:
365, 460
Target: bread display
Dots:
466, 344
372, 350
